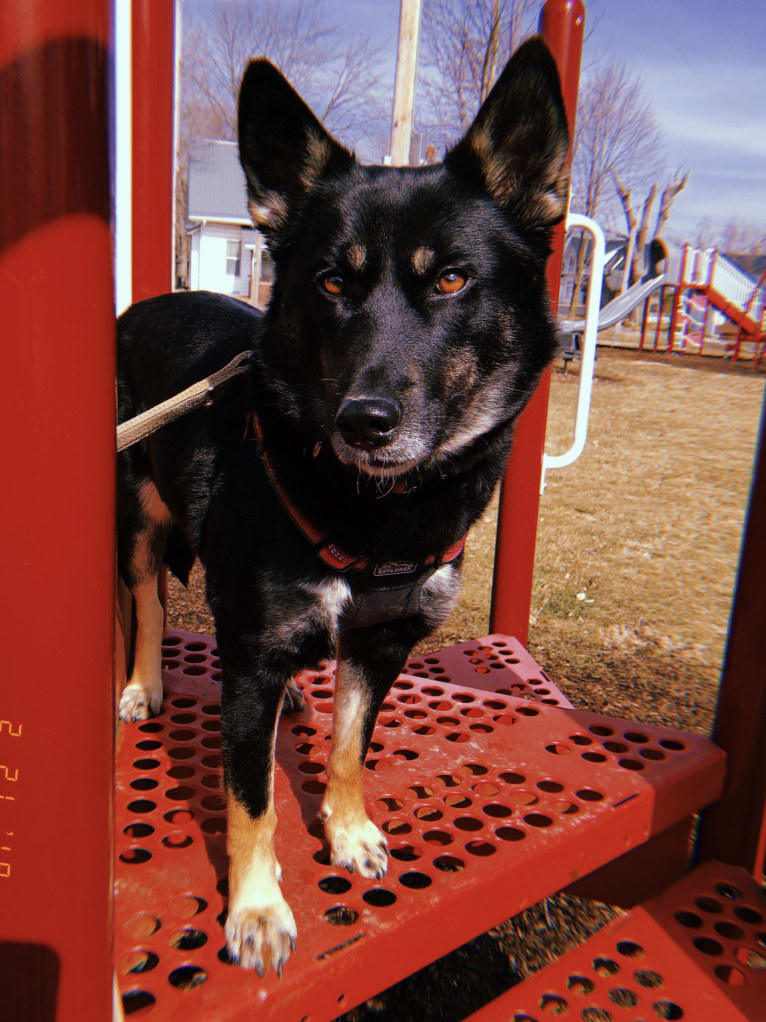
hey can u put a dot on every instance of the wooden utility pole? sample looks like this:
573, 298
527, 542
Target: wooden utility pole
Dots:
404, 89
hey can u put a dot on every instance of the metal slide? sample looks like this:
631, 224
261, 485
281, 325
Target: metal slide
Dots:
618, 308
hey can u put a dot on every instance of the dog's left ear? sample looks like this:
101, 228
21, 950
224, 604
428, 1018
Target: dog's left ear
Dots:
283, 148
517, 145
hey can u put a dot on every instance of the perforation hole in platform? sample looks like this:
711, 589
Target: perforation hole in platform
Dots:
134, 1001
135, 856
751, 957
405, 852
188, 939
667, 1010
187, 977
380, 897
596, 1015
341, 915
604, 966
138, 830
580, 986
334, 885
415, 880
552, 1004
730, 975
748, 915
138, 960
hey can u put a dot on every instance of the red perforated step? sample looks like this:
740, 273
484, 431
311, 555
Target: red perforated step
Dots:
697, 952
490, 802
496, 663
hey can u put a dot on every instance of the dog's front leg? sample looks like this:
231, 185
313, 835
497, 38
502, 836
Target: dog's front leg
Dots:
363, 678
260, 929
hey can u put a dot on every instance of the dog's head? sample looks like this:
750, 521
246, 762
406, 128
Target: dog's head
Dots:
409, 314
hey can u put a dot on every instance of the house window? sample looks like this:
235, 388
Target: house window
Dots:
233, 250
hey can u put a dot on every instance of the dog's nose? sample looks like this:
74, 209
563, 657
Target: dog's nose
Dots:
368, 422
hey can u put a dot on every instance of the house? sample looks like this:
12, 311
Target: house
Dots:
226, 253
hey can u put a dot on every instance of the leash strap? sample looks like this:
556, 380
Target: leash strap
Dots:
198, 394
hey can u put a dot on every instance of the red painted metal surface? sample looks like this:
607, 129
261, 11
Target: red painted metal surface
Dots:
153, 77
562, 23
57, 513
488, 801
697, 952
496, 663
736, 830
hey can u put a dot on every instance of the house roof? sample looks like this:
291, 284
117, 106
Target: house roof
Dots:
217, 184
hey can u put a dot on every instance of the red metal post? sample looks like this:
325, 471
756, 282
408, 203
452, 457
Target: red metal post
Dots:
153, 77
677, 300
734, 827
57, 513
562, 23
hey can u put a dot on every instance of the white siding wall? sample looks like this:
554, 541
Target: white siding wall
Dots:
211, 256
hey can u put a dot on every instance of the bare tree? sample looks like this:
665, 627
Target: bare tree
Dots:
616, 138
669, 195
638, 227
742, 238
465, 44
340, 79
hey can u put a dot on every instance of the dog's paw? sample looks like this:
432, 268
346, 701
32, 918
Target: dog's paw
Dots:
261, 938
359, 847
139, 703
294, 701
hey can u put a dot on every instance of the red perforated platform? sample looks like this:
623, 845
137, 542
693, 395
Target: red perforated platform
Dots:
490, 802
697, 953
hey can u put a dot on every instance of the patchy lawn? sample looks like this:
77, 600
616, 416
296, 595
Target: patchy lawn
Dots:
638, 541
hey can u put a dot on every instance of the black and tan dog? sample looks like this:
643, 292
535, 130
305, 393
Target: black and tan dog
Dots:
328, 493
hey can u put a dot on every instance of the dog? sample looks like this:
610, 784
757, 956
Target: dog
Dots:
329, 490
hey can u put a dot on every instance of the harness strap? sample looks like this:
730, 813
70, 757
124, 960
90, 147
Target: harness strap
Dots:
200, 393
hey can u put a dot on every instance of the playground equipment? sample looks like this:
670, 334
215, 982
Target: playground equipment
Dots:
493, 790
704, 284
619, 308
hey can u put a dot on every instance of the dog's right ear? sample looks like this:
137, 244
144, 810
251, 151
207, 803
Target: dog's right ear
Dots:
517, 145
283, 148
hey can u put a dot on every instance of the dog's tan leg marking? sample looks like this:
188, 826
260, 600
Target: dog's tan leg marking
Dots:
142, 695
260, 929
355, 841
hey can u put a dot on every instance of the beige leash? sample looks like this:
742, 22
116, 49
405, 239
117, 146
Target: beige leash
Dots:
199, 393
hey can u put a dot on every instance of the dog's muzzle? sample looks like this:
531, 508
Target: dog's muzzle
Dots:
367, 423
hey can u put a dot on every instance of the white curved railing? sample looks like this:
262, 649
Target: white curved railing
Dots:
593, 301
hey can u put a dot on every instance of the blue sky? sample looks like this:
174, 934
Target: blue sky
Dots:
703, 67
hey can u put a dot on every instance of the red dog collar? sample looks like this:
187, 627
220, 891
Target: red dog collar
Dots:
385, 573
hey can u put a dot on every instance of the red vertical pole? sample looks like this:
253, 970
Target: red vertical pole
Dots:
56, 514
562, 23
152, 91
733, 829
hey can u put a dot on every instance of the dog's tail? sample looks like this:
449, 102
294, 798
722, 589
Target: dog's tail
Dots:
178, 555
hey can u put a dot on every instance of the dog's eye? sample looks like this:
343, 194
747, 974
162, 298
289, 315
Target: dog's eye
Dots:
332, 283
450, 282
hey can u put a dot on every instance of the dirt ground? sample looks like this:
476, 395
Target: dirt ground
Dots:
635, 565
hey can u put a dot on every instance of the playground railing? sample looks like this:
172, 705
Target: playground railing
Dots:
709, 268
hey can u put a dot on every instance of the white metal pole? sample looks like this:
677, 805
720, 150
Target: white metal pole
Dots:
123, 157
404, 88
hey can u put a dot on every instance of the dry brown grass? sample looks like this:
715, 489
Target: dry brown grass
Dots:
638, 541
